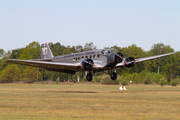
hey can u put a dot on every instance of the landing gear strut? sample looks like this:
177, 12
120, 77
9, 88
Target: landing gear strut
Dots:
90, 75
112, 74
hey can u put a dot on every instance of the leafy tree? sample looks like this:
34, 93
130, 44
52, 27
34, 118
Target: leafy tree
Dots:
105, 79
168, 64
79, 48
16, 53
89, 46
173, 83
31, 74
124, 82
162, 81
116, 48
157, 49
1, 52
169, 67
5, 56
10, 74
177, 63
32, 51
56, 48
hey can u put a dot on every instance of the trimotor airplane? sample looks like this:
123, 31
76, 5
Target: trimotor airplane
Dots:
92, 61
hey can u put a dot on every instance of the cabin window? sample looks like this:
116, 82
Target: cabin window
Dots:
73, 59
82, 57
78, 58
90, 56
98, 55
86, 57
94, 56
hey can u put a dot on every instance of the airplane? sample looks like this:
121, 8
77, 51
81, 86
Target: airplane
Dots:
92, 61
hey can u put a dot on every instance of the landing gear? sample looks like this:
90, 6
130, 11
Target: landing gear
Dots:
112, 74
89, 77
91, 74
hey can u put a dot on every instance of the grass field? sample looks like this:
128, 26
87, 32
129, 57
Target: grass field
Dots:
89, 101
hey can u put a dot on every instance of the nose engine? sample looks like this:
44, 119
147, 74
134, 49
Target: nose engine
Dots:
118, 58
129, 62
87, 63
114, 59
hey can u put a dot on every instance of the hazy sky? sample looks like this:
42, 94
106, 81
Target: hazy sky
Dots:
104, 22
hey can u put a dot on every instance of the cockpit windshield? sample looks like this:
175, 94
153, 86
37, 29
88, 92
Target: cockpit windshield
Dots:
105, 52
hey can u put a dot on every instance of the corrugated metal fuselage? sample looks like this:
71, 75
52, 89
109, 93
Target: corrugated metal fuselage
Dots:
76, 58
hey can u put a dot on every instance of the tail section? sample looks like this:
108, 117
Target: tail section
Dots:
46, 51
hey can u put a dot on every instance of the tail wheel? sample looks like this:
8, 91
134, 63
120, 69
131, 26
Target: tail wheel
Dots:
89, 77
113, 76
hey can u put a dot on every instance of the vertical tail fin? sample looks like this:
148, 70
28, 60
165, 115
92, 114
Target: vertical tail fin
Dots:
46, 51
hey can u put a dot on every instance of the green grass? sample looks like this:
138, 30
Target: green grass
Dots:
89, 101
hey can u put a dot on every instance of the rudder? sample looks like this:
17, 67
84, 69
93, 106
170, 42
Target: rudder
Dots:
46, 51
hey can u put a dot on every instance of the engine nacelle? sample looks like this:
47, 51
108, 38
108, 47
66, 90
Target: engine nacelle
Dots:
87, 63
119, 57
129, 62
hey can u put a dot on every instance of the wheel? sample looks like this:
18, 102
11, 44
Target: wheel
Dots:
89, 77
113, 76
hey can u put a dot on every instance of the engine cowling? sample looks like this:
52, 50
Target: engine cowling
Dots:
129, 62
119, 57
87, 63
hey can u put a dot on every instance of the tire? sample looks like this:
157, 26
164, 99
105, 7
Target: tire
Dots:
89, 77
113, 76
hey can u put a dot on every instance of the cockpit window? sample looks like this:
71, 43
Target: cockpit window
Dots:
105, 52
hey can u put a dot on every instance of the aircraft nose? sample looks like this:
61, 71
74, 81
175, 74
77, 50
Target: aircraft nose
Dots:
118, 58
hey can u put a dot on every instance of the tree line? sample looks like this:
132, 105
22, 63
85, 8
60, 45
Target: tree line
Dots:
163, 70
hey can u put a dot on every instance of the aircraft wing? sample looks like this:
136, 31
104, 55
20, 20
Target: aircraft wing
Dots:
122, 64
151, 57
53, 66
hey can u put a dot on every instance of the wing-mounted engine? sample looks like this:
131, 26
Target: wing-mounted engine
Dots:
87, 63
129, 62
119, 57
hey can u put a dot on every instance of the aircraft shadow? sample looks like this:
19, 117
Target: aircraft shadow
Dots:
72, 91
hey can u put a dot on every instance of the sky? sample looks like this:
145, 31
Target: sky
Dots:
76, 22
